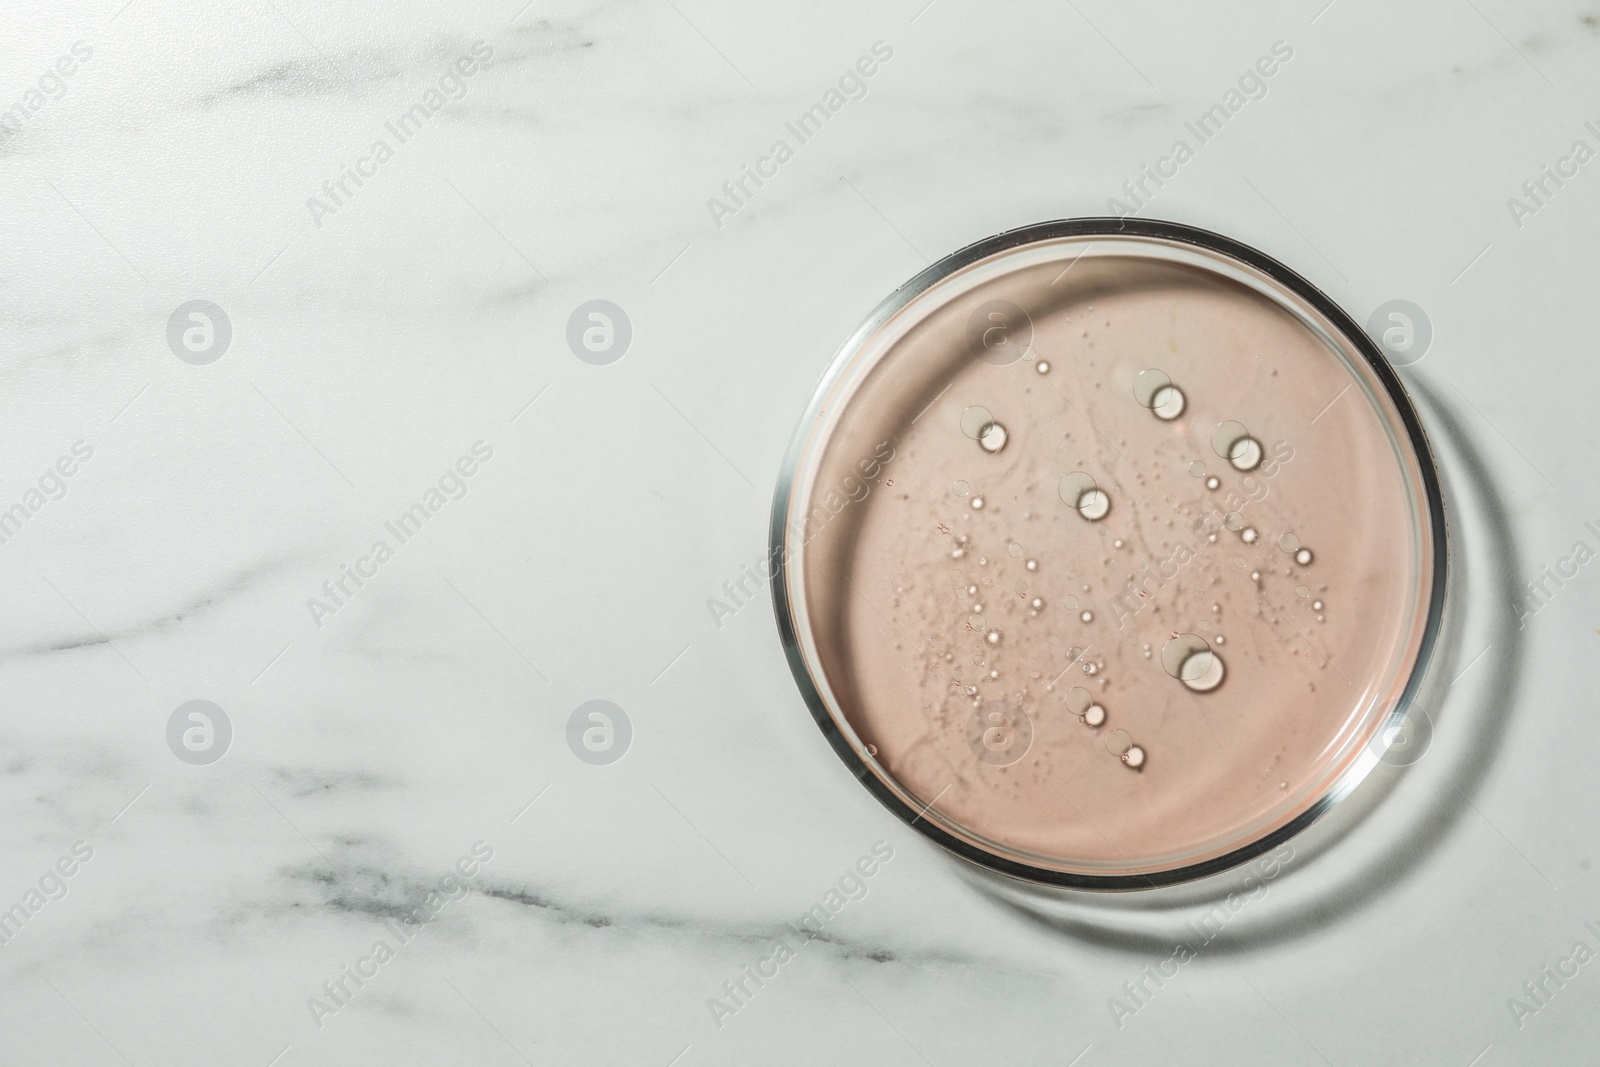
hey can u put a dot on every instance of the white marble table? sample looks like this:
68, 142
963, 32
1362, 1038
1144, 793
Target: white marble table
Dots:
392, 309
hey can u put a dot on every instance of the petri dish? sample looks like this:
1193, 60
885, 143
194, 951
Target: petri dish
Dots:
1109, 553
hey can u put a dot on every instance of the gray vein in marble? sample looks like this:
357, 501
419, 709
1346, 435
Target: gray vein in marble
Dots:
311, 76
372, 892
240, 582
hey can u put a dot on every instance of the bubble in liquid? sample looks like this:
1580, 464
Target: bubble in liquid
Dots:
1043, 367
978, 623
1078, 700
1118, 742
1071, 602
977, 503
1197, 469
1249, 535
1288, 542
1078, 490
1190, 659
1302, 591
1032, 564
1037, 603
1316, 605
1087, 616
1117, 543
962, 488
1015, 550
1213, 482
1094, 715
1134, 757
993, 437
1233, 521
1233, 442
975, 420
1303, 557
1154, 390
872, 750
993, 637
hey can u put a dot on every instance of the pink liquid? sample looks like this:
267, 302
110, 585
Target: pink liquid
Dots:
962, 586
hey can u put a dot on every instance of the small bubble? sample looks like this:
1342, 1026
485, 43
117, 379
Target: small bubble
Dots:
1094, 715
1078, 490
1302, 591
1134, 757
1303, 557
1316, 605
1321, 618
1283, 785
1071, 602
1037, 603
1233, 521
1221, 640
1015, 550
978, 623
957, 553
1154, 390
1233, 442
975, 420
977, 503
1189, 658
872, 750
1021, 588
1197, 469
1117, 543
1249, 535
1213, 482
1118, 742
1087, 616
962, 488
971, 589
1043, 366
1032, 564
993, 438
993, 637
1288, 542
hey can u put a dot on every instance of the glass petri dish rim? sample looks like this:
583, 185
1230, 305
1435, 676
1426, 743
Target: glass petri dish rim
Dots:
841, 737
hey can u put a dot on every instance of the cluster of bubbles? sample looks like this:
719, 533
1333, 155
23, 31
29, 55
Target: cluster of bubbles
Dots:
1118, 742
